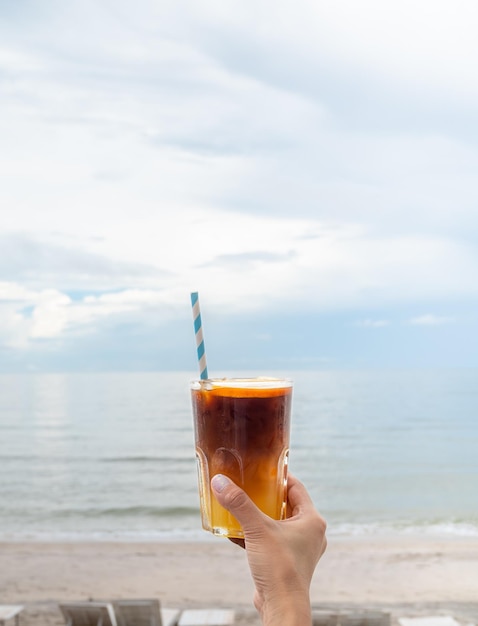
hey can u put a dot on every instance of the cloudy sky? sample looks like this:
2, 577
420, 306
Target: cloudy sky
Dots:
311, 168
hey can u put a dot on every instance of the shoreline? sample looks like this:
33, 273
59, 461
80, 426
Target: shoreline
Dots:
412, 574
450, 531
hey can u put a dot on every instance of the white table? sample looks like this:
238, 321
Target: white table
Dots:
9, 611
206, 617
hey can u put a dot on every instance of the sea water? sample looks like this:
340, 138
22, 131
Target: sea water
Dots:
86, 455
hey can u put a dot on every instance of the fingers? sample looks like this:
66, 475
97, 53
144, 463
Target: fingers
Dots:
252, 520
236, 501
301, 505
298, 496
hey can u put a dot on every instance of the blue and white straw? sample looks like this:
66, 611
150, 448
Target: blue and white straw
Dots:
199, 337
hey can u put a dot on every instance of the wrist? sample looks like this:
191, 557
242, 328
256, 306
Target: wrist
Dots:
288, 607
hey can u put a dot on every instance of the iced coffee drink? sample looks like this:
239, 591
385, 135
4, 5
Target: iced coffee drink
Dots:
242, 428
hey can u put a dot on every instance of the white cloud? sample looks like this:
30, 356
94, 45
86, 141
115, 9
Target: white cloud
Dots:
31, 315
13, 61
431, 320
11, 292
305, 266
420, 44
49, 317
368, 323
26, 314
320, 158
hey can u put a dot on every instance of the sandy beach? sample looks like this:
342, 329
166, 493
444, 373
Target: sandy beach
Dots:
405, 575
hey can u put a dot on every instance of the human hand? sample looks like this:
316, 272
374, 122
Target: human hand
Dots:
282, 554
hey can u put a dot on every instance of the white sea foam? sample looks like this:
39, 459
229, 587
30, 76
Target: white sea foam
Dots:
445, 529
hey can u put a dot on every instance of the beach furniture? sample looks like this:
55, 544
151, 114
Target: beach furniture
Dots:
358, 617
10, 611
147, 612
364, 618
324, 618
88, 614
207, 617
428, 620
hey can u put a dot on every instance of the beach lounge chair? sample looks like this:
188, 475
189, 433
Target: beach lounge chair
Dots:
364, 618
147, 612
324, 618
356, 617
88, 614
10, 611
428, 620
207, 617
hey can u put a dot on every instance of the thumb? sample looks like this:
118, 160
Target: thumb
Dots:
236, 501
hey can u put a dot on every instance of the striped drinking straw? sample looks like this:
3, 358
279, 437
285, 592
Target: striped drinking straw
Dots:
199, 338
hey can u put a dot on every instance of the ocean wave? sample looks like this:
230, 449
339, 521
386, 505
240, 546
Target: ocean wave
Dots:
431, 529
149, 459
136, 511
136, 536
190, 530
30, 458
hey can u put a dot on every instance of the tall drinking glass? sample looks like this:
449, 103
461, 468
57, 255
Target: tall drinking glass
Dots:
242, 430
